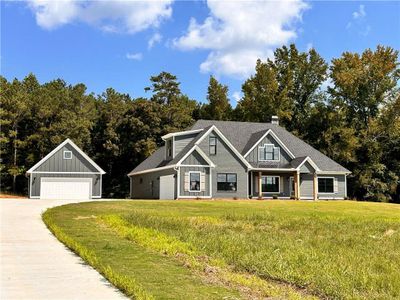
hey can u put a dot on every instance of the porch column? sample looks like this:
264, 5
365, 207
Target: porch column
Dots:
296, 178
259, 185
315, 185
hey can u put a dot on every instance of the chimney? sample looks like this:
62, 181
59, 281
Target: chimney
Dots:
275, 120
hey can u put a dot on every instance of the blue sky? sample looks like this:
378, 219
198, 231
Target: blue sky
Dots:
120, 44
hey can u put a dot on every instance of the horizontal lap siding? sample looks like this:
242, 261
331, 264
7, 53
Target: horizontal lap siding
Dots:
182, 141
205, 193
57, 163
36, 178
147, 190
226, 162
306, 185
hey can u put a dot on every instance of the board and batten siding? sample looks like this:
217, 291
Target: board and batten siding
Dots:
36, 178
252, 157
180, 142
147, 185
183, 176
226, 162
194, 158
57, 163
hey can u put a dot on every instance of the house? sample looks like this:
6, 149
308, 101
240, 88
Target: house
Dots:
65, 173
224, 159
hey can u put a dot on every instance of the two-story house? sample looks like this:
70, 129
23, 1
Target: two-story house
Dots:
224, 159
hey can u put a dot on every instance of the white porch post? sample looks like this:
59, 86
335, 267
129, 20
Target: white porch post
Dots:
259, 185
315, 185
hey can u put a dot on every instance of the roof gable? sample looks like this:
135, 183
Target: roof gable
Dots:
79, 163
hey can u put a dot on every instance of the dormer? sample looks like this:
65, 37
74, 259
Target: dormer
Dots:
175, 142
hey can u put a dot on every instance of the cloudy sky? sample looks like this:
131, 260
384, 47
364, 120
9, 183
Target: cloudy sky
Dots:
120, 44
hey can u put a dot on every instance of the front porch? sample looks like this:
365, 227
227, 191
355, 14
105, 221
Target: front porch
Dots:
282, 184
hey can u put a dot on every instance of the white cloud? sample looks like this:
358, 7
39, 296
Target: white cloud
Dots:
127, 16
134, 56
360, 13
155, 39
236, 96
239, 32
359, 22
309, 46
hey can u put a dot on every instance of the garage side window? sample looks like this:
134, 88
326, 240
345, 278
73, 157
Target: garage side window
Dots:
67, 155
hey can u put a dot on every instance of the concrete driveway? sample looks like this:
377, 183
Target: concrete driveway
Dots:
35, 265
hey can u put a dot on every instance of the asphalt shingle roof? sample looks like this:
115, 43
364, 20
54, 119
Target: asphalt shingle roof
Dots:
243, 135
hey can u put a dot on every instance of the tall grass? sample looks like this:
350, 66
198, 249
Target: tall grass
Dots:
127, 285
329, 254
216, 270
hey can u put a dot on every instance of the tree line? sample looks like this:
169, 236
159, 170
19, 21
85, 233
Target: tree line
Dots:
348, 109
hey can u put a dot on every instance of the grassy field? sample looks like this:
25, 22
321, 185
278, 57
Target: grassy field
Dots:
238, 249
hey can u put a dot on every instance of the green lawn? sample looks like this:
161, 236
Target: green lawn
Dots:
238, 249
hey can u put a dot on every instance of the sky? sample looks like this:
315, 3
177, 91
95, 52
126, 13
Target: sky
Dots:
120, 44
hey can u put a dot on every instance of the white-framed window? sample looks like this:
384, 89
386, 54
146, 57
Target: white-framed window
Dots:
269, 152
67, 154
327, 185
194, 181
213, 145
270, 184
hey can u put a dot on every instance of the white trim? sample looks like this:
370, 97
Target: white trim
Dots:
195, 197
273, 152
67, 141
190, 181
334, 172
203, 166
66, 178
310, 161
47, 172
178, 185
96, 197
226, 141
273, 169
269, 131
279, 184
167, 136
30, 186
65, 152
202, 154
101, 185
324, 193
210, 182
34, 197
173, 147
291, 178
151, 170
345, 186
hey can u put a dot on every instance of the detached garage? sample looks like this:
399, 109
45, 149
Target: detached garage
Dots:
65, 173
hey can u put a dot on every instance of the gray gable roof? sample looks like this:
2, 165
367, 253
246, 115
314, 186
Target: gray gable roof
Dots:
243, 135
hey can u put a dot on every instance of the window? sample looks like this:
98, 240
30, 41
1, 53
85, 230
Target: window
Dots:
213, 145
227, 182
67, 154
169, 148
270, 184
268, 152
141, 180
194, 184
325, 185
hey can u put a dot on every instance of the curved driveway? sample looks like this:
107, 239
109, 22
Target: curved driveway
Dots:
34, 265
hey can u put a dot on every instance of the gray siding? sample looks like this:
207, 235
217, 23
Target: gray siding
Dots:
226, 162
306, 185
284, 157
284, 184
149, 188
96, 182
56, 163
194, 159
205, 193
182, 141
341, 188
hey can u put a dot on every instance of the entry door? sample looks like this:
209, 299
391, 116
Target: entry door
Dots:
167, 187
65, 188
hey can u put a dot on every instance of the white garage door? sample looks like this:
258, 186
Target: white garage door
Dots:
167, 187
65, 188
